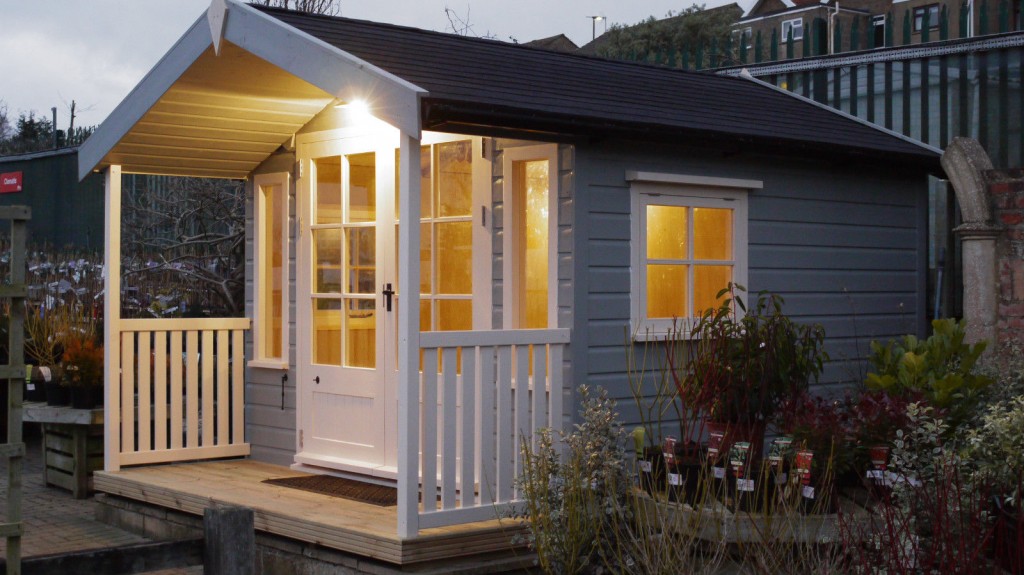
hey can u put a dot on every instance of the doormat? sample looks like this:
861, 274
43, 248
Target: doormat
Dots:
379, 495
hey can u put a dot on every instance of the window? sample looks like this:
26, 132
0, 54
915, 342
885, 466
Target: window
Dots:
271, 290
878, 27
688, 241
796, 26
743, 37
932, 10
531, 200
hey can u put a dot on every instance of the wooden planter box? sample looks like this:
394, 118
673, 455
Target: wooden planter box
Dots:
72, 445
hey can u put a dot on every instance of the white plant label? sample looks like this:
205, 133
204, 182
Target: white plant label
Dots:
808, 492
47, 376
745, 484
719, 473
645, 466
675, 479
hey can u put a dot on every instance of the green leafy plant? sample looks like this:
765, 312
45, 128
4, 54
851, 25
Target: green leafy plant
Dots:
941, 368
752, 359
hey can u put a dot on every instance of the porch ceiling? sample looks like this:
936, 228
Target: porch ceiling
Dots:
220, 119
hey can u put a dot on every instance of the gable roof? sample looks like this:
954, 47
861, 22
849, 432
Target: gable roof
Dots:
237, 86
474, 85
558, 43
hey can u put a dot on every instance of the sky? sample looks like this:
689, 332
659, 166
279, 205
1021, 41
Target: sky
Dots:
95, 51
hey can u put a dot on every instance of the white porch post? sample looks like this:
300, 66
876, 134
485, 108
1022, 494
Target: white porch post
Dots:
112, 319
408, 336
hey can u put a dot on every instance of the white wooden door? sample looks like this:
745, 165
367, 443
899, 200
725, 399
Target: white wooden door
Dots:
346, 279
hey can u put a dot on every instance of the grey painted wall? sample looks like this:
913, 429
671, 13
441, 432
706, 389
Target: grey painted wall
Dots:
845, 245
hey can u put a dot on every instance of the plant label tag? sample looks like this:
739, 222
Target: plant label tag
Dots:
876, 474
675, 479
745, 484
645, 466
808, 492
47, 376
719, 472
30, 386
781, 478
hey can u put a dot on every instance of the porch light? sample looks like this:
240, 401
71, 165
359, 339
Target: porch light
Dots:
358, 107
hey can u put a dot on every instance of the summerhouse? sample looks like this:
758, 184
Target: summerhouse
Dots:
565, 205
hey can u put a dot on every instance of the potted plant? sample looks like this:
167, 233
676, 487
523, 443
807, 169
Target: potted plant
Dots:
747, 362
45, 331
83, 371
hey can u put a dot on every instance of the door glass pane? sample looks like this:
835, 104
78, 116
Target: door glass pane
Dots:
362, 187
360, 333
328, 190
426, 269
712, 234
666, 291
666, 232
360, 245
454, 314
454, 257
534, 233
426, 206
707, 282
327, 260
327, 331
455, 178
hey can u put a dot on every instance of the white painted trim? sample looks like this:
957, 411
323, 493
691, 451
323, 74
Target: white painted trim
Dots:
282, 180
111, 319
732, 197
332, 70
185, 324
483, 227
511, 241
691, 180
408, 339
779, 14
258, 364
147, 93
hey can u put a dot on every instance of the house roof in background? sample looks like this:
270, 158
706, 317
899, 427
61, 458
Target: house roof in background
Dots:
559, 43
483, 86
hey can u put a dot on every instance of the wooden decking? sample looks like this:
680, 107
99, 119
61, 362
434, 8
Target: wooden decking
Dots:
349, 526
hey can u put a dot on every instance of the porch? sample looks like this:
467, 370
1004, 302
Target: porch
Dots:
349, 526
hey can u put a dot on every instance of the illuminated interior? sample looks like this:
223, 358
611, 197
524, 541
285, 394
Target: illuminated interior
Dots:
272, 261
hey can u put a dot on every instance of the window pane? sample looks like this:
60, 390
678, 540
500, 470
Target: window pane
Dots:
454, 314
426, 320
426, 266
666, 291
327, 331
272, 271
455, 178
666, 232
426, 207
712, 234
362, 187
534, 273
328, 190
707, 282
361, 333
361, 249
454, 257
327, 260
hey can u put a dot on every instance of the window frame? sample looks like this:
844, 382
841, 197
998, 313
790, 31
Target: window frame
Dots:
511, 242
688, 191
282, 180
918, 17
790, 22
744, 36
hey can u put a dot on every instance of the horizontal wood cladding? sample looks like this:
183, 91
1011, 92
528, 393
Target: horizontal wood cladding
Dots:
844, 247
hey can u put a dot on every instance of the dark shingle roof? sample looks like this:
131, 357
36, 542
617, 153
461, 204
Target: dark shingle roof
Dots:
492, 86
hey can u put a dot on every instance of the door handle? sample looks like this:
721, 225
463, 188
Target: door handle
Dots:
387, 292
316, 380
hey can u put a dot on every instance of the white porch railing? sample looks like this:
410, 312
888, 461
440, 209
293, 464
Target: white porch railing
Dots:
473, 417
180, 394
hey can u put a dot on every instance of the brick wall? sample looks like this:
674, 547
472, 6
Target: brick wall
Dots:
1006, 190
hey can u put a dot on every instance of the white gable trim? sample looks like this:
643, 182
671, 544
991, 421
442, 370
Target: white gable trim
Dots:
334, 71
156, 82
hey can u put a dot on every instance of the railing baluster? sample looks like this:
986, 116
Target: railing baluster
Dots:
238, 386
177, 397
160, 390
206, 363
128, 392
449, 427
428, 431
522, 394
223, 383
192, 389
468, 425
540, 392
506, 454
487, 444
145, 403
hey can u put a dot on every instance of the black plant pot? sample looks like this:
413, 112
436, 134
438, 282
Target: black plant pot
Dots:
749, 493
35, 391
56, 394
683, 479
86, 397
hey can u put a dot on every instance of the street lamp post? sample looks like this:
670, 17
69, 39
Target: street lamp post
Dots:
593, 25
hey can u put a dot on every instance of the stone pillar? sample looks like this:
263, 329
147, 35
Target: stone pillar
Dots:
966, 165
